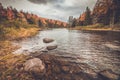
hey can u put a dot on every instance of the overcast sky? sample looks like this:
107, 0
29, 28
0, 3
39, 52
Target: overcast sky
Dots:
53, 9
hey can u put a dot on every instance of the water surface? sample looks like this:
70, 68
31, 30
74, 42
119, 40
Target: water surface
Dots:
99, 49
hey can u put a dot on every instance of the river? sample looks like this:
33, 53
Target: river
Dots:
98, 49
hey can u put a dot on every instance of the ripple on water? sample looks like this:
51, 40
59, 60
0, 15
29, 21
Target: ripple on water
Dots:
100, 50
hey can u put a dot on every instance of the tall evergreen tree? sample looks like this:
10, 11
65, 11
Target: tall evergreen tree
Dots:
40, 24
88, 19
74, 23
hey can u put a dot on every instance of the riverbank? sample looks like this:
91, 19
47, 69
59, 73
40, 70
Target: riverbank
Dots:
97, 27
16, 33
11, 66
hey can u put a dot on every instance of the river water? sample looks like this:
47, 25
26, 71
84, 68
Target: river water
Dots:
98, 49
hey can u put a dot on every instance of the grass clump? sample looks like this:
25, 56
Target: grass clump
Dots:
12, 30
11, 66
20, 33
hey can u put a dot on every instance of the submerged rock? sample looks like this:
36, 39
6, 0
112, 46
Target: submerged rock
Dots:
35, 66
51, 47
109, 75
47, 40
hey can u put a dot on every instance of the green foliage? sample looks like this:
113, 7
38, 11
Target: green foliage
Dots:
74, 22
17, 24
31, 21
88, 19
2, 30
40, 24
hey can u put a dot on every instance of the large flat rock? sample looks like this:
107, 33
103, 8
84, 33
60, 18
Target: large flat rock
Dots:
48, 40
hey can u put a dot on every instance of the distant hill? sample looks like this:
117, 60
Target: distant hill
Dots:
12, 14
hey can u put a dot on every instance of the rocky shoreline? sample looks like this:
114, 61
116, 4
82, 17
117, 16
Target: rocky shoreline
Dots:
59, 68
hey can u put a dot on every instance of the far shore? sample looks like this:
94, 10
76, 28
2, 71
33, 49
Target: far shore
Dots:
95, 28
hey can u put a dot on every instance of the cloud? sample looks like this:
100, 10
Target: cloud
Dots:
54, 9
74, 7
45, 1
67, 6
62, 9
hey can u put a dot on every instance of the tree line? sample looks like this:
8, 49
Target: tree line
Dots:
12, 14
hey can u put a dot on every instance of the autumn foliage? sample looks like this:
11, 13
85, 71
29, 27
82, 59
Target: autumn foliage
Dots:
11, 14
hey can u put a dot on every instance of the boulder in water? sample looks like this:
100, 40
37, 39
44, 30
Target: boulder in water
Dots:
51, 47
47, 40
